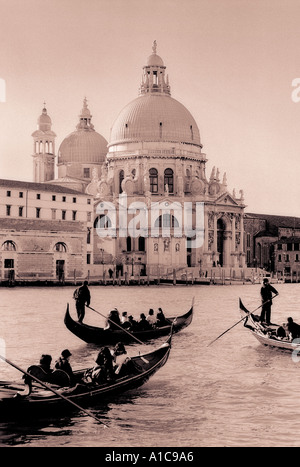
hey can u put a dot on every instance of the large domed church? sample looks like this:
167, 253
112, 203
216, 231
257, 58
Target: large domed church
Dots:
155, 209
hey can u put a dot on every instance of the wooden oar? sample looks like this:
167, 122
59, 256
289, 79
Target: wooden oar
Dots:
125, 330
52, 389
248, 314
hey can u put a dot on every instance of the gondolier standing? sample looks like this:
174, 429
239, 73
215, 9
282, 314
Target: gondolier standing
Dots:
266, 296
83, 297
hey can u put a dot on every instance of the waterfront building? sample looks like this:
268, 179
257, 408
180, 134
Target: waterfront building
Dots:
45, 232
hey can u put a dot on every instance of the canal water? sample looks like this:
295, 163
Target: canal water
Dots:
232, 393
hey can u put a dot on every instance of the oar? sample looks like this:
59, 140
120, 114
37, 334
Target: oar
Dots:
125, 330
52, 389
250, 313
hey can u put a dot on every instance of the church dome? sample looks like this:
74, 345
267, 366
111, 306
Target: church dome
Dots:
84, 145
155, 117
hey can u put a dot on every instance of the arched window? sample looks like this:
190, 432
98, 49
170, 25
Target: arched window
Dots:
128, 244
8, 246
121, 178
60, 247
102, 222
169, 180
153, 175
141, 243
166, 220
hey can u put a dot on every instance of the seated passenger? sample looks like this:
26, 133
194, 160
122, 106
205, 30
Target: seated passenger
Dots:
280, 332
120, 358
125, 321
132, 323
151, 318
143, 324
45, 363
63, 363
293, 329
161, 319
113, 317
103, 370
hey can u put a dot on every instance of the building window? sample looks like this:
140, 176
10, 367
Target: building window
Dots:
53, 198
141, 243
74, 213
88, 201
8, 209
289, 246
279, 247
38, 213
38, 196
86, 173
153, 175
88, 258
8, 246
279, 259
74, 200
121, 178
169, 180
60, 247
63, 215
88, 216
53, 214
248, 240
296, 246
297, 258
128, 244
8, 193
21, 211
287, 259
21, 194
88, 237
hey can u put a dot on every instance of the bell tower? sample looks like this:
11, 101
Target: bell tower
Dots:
43, 149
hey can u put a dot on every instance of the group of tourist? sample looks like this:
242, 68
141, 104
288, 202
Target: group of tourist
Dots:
115, 320
109, 364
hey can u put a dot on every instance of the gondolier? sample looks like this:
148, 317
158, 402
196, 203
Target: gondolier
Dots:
82, 297
266, 296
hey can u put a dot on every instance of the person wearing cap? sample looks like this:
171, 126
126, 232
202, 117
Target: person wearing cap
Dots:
266, 296
63, 363
82, 297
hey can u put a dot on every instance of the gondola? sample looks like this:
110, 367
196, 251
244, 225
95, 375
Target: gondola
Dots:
17, 399
101, 336
266, 334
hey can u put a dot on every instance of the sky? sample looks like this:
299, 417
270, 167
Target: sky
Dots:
232, 63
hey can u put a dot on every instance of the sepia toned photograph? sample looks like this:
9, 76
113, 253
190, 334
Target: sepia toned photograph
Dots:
149, 226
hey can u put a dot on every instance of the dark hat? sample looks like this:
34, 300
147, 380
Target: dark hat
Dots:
66, 353
85, 283
266, 280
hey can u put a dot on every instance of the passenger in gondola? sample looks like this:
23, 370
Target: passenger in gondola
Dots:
45, 363
293, 329
132, 323
143, 324
151, 318
120, 359
63, 363
161, 319
124, 320
113, 320
103, 371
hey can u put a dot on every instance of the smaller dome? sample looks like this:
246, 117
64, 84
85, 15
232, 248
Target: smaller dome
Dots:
83, 146
154, 60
